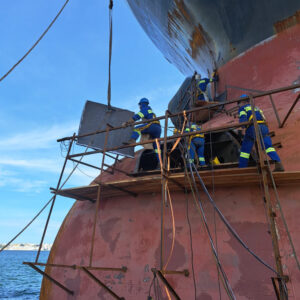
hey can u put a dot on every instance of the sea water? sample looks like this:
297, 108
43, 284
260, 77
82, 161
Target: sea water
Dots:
18, 281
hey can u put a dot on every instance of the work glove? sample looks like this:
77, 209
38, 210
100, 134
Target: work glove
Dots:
131, 121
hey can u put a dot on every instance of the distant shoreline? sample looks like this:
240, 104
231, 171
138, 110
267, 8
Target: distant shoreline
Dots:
26, 247
25, 250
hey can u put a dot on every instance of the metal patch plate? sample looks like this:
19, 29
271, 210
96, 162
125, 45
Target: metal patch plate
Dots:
96, 116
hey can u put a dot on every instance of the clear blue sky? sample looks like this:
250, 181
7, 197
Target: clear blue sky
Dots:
42, 99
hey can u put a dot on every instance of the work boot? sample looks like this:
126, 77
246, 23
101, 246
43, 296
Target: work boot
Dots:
278, 167
131, 141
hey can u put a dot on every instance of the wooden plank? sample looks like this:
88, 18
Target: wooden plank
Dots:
150, 184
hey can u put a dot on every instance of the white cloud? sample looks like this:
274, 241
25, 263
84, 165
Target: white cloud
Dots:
20, 181
41, 138
22, 185
47, 165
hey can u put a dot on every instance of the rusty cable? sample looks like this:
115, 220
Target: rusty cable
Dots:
110, 54
35, 44
205, 226
227, 224
190, 232
200, 210
213, 192
43, 208
173, 227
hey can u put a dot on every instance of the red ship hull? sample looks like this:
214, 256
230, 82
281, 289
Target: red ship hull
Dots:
128, 228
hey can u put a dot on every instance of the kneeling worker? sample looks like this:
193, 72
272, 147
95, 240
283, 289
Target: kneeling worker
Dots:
202, 84
196, 144
246, 114
151, 128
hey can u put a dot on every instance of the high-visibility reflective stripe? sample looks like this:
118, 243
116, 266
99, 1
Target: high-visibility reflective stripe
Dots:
137, 130
156, 150
141, 114
245, 155
191, 160
247, 108
199, 135
270, 149
201, 159
187, 129
211, 80
155, 122
260, 121
150, 111
243, 113
202, 81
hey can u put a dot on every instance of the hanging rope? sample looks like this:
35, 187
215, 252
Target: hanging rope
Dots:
110, 53
227, 224
49, 201
5, 246
35, 44
200, 209
191, 236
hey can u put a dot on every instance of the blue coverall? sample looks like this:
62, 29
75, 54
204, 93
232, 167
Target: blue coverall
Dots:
196, 144
245, 114
153, 128
202, 86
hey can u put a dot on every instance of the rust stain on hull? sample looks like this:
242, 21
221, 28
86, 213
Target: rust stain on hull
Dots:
288, 22
182, 8
199, 39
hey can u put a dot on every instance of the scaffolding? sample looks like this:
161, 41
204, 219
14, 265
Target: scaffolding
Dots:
168, 178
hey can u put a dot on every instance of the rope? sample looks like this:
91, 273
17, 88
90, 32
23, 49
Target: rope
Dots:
110, 53
173, 227
200, 209
229, 227
35, 44
33, 219
27, 225
181, 132
159, 155
166, 188
191, 236
213, 192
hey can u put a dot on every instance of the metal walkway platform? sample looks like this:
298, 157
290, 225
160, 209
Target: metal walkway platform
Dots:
150, 184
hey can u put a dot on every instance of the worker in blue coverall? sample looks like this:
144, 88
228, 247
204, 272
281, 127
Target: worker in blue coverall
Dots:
151, 128
202, 85
245, 114
196, 144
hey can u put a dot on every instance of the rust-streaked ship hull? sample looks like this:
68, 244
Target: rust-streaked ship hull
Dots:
128, 228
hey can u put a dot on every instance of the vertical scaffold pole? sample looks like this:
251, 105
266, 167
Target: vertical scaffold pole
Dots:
54, 197
98, 195
163, 191
271, 213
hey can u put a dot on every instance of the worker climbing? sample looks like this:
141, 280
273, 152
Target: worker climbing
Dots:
246, 114
196, 144
151, 128
202, 84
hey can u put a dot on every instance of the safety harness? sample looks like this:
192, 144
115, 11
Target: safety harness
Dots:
247, 109
144, 119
